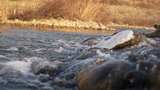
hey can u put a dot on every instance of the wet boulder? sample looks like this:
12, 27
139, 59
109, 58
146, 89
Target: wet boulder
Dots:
46, 67
156, 33
120, 40
155, 77
116, 75
135, 41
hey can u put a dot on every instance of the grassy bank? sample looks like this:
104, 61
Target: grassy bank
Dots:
131, 12
85, 14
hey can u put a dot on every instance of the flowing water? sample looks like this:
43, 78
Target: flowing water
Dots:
19, 49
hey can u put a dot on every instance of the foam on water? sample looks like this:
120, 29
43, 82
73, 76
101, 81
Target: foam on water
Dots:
2, 56
21, 66
59, 50
12, 49
103, 54
33, 59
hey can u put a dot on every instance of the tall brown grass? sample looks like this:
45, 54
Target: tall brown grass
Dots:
3, 10
132, 12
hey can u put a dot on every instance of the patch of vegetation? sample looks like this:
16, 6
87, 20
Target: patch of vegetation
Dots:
135, 12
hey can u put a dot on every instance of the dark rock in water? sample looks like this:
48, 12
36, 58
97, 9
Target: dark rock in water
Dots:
121, 75
140, 73
157, 26
156, 33
46, 67
90, 41
135, 80
118, 75
145, 66
155, 77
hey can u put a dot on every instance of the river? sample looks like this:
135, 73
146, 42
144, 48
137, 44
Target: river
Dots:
20, 48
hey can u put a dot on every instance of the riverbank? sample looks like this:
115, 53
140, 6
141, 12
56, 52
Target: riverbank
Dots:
53, 61
70, 26
54, 23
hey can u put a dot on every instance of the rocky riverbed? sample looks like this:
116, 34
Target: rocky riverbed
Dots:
33, 60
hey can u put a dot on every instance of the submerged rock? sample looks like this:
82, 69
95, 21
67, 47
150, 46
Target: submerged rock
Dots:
46, 67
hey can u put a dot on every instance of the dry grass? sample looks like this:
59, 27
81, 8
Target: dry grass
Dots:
132, 12
61, 23
12, 8
3, 10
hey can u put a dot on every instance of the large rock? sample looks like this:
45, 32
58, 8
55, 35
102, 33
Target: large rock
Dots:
116, 75
134, 41
120, 40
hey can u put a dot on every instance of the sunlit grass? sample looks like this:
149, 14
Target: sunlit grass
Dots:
129, 12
